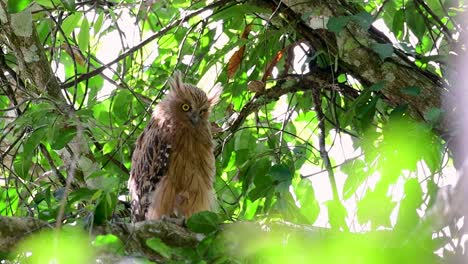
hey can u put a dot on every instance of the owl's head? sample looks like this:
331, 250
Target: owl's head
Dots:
188, 103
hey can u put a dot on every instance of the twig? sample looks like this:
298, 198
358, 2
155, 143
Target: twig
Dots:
322, 133
49, 159
436, 18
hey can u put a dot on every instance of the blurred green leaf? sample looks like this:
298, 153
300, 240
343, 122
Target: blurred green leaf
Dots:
411, 90
337, 24
375, 207
16, 6
281, 176
310, 208
111, 243
69, 4
203, 222
47, 3
336, 214
408, 217
60, 136
433, 115
355, 170
105, 208
364, 20
160, 247
398, 22
23, 160
56, 246
377, 86
98, 24
83, 36
415, 22
383, 50
70, 23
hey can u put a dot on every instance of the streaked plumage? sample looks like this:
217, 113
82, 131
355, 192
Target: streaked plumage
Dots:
173, 165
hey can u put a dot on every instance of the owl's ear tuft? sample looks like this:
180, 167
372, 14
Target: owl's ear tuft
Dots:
175, 82
214, 94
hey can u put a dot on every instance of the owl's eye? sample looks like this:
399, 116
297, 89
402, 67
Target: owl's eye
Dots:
203, 111
185, 107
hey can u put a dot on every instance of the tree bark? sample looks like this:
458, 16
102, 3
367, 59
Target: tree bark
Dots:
352, 50
19, 34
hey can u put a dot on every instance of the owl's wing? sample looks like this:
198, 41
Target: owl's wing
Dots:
149, 164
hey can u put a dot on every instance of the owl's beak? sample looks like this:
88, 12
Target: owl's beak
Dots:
194, 118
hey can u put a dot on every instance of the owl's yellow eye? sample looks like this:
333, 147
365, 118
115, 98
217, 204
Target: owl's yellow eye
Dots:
185, 107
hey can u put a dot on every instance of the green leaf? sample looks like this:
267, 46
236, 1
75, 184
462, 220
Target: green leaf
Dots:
238, 11
110, 243
354, 169
22, 164
366, 112
46, 3
83, 36
408, 217
62, 137
341, 78
281, 176
16, 6
109, 147
416, 22
433, 115
364, 20
260, 191
411, 90
377, 86
203, 222
105, 208
70, 23
376, 207
98, 24
160, 247
310, 208
398, 22
384, 50
336, 214
23, 160
336, 24
257, 172
82, 194
122, 104
244, 140
69, 4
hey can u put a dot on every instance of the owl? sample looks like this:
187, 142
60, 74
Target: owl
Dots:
173, 165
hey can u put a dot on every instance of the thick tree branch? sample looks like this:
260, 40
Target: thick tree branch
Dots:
240, 239
18, 32
352, 48
134, 236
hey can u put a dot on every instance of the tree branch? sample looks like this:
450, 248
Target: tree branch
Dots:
19, 34
290, 84
323, 149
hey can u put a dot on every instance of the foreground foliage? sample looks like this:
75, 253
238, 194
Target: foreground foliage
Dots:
300, 81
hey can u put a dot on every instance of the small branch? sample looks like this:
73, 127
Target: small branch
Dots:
322, 134
438, 21
49, 159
